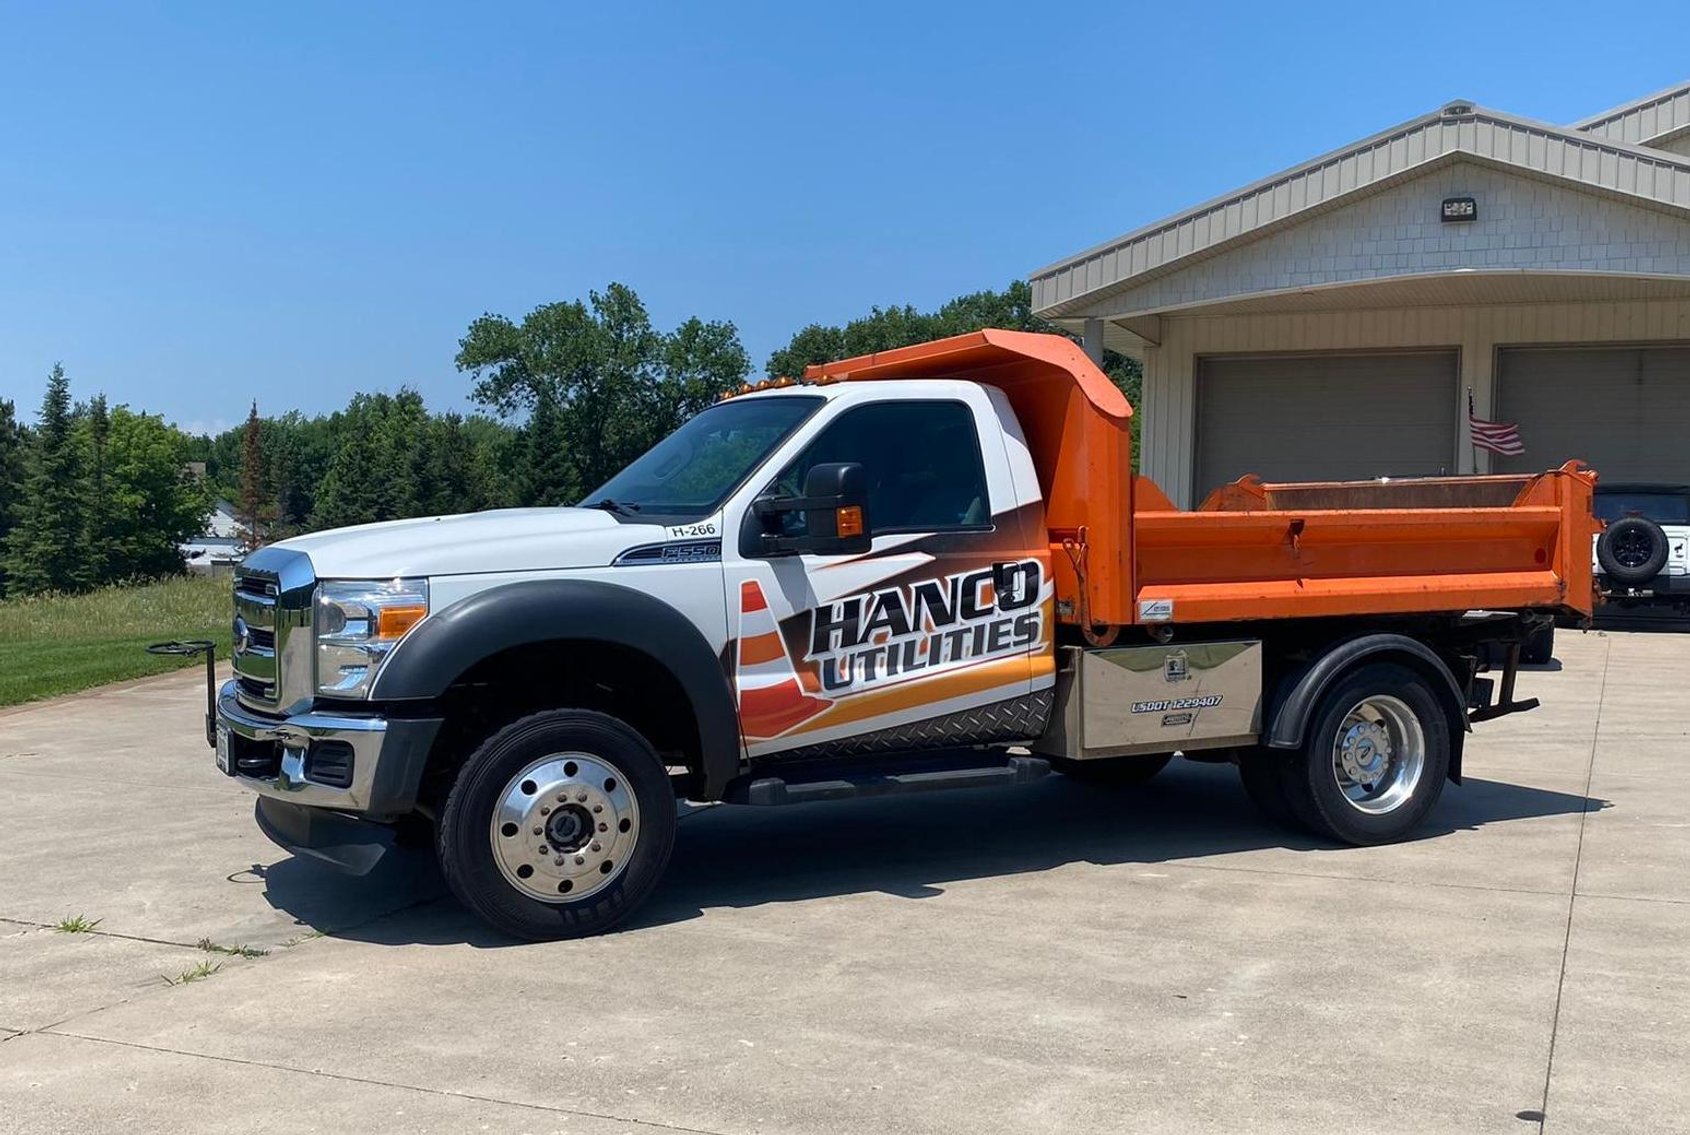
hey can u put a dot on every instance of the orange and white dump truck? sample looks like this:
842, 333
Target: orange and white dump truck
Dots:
928, 568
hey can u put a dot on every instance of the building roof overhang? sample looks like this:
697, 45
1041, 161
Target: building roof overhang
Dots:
1129, 332
1079, 286
1648, 121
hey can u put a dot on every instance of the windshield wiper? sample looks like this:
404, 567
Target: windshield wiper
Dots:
621, 508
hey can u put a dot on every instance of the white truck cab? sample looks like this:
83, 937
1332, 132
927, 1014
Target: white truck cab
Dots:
352, 645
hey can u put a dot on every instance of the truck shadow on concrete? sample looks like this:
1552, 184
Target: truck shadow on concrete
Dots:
1640, 619
913, 846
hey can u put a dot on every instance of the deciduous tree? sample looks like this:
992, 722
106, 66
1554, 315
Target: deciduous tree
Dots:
885, 328
598, 383
157, 504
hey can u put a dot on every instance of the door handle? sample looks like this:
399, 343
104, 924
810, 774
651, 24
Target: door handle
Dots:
1003, 574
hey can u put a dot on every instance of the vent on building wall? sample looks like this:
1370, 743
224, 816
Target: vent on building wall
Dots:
1457, 110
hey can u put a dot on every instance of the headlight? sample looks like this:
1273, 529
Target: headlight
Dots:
357, 624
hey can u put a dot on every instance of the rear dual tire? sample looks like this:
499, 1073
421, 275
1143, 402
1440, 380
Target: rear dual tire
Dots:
1372, 765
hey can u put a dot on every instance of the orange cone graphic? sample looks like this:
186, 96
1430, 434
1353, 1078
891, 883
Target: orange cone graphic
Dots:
770, 699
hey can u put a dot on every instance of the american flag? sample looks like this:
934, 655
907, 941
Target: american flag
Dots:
1498, 437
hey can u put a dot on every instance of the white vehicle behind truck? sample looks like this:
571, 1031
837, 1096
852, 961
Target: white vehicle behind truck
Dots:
1642, 557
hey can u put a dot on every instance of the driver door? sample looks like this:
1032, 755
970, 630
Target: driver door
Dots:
925, 640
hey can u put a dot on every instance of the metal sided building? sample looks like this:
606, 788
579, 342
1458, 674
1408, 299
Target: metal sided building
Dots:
1328, 322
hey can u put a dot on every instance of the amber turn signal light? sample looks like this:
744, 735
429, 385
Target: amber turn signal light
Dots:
848, 521
393, 622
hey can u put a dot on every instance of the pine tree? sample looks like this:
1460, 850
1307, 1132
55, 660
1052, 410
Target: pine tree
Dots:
45, 551
257, 514
99, 521
11, 477
548, 477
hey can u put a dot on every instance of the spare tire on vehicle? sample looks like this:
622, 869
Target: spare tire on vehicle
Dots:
1632, 550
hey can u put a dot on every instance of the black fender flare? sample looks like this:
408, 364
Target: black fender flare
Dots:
449, 642
1297, 694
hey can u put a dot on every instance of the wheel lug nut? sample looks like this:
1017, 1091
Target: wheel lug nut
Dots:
596, 846
538, 829
580, 859
544, 850
581, 796
558, 862
604, 827
546, 811
598, 807
563, 797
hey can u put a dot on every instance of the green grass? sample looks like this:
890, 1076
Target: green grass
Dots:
192, 973
58, 644
77, 924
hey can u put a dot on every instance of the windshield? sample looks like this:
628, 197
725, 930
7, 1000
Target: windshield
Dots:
1663, 508
694, 469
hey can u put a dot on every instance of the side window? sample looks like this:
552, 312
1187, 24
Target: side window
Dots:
921, 459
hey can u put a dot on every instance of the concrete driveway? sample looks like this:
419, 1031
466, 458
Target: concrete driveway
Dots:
1052, 958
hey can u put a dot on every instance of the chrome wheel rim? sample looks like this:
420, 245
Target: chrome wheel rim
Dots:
1379, 755
564, 827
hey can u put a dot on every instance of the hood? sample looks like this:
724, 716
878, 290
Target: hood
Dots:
509, 539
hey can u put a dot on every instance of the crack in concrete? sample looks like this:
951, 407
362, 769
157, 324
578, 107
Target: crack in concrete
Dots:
97, 933
1573, 892
310, 934
1630, 898
1370, 880
105, 782
370, 1081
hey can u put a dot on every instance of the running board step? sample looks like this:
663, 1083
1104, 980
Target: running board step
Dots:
849, 785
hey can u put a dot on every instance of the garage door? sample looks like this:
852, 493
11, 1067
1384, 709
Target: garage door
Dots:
1624, 410
1325, 417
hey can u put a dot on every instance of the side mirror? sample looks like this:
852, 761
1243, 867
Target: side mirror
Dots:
835, 508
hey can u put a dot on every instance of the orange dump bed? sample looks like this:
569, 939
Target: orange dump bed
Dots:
1123, 554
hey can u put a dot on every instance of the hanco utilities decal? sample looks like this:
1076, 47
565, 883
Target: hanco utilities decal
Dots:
867, 642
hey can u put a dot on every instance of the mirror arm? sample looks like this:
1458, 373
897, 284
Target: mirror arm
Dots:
769, 506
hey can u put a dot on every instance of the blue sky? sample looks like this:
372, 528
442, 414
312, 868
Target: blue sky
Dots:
203, 204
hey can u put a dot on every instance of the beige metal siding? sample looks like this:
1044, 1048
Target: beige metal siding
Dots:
1624, 410
1678, 145
1325, 417
1168, 412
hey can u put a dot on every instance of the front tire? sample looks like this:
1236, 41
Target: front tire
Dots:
1375, 757
558, 826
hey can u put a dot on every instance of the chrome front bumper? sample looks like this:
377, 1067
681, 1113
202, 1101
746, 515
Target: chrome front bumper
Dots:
303, 758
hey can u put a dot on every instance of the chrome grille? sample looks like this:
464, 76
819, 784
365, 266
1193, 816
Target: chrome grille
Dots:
272, 655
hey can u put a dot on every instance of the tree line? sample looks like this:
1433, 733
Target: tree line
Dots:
92, 495
565, 397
